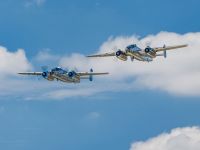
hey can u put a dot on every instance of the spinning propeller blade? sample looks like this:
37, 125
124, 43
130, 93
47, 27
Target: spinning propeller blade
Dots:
44, 68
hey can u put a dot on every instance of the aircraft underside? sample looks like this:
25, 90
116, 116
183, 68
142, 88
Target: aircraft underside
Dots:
141, 57
65, 78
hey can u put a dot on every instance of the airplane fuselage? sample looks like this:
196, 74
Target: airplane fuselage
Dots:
65, 75
136, 53
65, 78
141, 55
62, 75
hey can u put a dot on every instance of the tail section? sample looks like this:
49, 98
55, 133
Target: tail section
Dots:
91, 76
164, 53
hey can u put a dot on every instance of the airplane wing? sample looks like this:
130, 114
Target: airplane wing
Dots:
91, 73
103, 55
30, 73
164, 48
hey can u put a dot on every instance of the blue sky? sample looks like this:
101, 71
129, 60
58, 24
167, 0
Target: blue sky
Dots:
109, 120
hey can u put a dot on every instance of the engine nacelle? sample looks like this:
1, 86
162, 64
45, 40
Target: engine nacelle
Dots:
150, 50
121, 55
73, 76
47, 75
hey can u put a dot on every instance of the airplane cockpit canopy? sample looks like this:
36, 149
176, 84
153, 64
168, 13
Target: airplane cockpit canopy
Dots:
133, 47
59, 69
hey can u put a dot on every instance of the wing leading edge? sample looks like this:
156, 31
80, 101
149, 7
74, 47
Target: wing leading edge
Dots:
164, 48
91, 73
79, 73
30, 73
103, 55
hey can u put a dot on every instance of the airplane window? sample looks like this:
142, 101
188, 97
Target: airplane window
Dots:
131, 46
57, 69
128, 47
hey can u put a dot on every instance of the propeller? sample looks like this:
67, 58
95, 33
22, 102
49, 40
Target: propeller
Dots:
44, 68
132, 58
147, 44
45, 71
115, 49
72, 72
75, 69
44, 74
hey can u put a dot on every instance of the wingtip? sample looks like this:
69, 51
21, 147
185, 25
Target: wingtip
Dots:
20, 73
104, 73
184, 45
89, 56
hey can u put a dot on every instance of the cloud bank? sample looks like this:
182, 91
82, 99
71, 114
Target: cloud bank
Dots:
11, 62
187, 138
177, 75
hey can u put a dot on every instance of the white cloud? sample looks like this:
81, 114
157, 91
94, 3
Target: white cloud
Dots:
177, 75
12, 62
187, 138
46, 58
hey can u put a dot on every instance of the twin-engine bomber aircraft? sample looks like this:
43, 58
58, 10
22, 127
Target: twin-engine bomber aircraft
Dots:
63, 75
134, 52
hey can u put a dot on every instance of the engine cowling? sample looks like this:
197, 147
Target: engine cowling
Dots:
150, 51
47, 75
121, 55
73, 76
